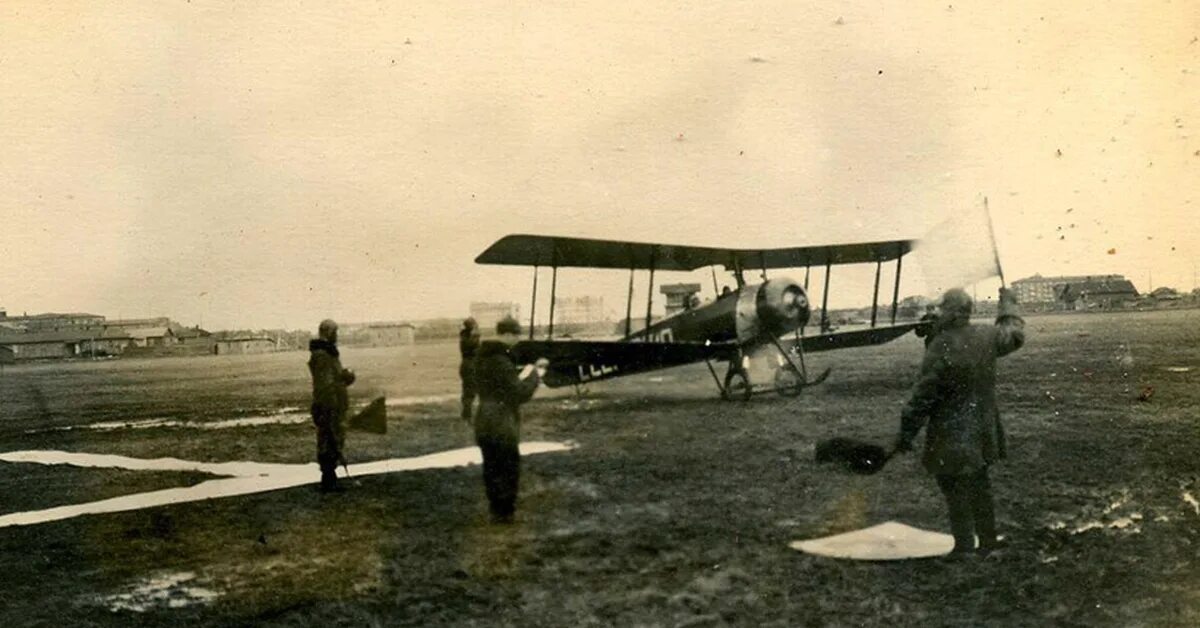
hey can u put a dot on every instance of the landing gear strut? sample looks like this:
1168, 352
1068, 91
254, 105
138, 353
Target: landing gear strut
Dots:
737, 384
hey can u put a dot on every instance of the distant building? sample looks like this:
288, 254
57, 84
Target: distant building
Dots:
107, 342
579, 311
679, 296
243, 345
43, 345
151, 336
1039, 289
380, 334
52, 322
1110, 292
156, 321
1165, 294
189, 335
488, 314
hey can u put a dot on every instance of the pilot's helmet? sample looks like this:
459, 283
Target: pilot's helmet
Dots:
508, 325
956, 301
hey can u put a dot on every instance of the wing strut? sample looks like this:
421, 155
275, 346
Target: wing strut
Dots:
716, 379
553, 290
650, 292
875, 298
629, 307
825, 301
896, 289
533, 303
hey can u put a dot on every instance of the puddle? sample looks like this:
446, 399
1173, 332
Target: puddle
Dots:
416, 401
248, 477
170, 590
583, 403
1187, 497
283, 416
1129, 524
109, 461
1124, 499
292, 415
1177, 369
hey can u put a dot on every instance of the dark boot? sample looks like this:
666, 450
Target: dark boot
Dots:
956, 489
983, 512
329, 483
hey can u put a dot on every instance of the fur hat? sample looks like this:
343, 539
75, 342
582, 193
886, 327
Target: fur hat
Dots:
508, 325
956, 301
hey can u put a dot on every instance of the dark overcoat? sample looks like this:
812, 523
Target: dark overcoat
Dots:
501, 390
956, 394
330, 400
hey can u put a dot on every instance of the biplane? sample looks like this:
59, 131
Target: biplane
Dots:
771, 316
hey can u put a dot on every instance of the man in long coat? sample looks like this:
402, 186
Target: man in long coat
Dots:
468, 344
498, 419
956, 396
330, 401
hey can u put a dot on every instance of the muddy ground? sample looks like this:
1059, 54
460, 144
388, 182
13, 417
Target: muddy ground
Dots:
675, 509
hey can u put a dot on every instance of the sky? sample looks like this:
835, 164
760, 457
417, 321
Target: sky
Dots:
255, 165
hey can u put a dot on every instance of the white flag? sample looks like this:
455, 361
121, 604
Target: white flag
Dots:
959, 251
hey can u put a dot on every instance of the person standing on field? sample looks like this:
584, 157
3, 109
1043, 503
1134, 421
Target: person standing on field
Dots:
498, 419
956, 396
468, 344
330, 401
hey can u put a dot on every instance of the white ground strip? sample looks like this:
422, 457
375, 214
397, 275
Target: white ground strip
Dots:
246, 477
887, 541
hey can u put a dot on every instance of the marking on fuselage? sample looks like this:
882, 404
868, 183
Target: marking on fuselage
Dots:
589, 372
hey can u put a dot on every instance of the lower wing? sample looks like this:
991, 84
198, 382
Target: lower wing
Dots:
850, 339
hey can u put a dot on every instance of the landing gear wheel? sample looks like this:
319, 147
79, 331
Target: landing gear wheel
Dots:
788, 382
737, 386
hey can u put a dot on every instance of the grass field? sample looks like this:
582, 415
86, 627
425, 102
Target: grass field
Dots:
675, 509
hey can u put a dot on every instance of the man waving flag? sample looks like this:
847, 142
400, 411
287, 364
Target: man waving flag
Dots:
960, 250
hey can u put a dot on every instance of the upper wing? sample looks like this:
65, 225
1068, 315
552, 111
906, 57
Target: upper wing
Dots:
536, 250
579, 361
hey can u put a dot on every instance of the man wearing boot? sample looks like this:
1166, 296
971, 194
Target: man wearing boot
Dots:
468, 344
498, 419
330, 402
956, 395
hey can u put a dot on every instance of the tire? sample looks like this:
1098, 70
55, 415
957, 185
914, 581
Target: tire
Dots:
737, 386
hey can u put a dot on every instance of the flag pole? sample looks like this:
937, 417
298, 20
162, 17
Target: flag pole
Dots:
992, 234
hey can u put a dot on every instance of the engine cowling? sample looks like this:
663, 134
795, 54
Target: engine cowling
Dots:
774, 307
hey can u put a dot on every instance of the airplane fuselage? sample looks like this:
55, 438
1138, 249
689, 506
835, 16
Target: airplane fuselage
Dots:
745, 315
